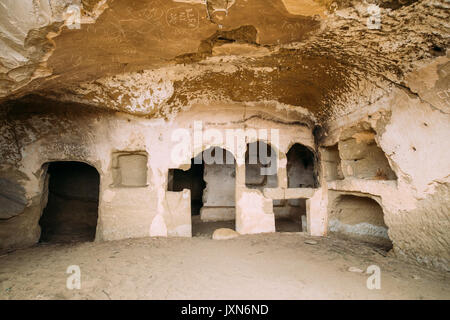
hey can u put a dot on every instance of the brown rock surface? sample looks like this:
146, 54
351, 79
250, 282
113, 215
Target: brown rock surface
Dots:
316, 55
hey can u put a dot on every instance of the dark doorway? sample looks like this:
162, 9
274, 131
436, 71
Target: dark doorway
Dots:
290, 215
72, 209
300, 167
191, 179
212, 180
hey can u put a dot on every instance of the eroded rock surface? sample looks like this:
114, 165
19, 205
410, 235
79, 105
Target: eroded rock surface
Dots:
364, 86
302, 53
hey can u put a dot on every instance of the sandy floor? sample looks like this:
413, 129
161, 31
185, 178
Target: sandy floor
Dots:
206, 229
265, 266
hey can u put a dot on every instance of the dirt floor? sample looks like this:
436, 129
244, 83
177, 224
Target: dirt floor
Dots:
206, 229
265, 266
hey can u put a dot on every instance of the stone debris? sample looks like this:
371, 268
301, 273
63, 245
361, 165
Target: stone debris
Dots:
356, 270
224, 234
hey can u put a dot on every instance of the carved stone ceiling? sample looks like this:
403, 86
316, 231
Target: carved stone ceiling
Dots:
151, 57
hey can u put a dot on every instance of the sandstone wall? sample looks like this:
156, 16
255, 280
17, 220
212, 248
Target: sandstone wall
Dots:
133, 156
411, 126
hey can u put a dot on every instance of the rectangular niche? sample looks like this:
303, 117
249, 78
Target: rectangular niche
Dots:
130, 169
290, 215
362, 158
332, 163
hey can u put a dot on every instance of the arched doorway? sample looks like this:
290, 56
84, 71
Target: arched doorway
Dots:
300, 167
290, 215
212, 181
71, 213
260, 166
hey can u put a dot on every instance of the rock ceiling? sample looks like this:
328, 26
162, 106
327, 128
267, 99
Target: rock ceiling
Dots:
153, 57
